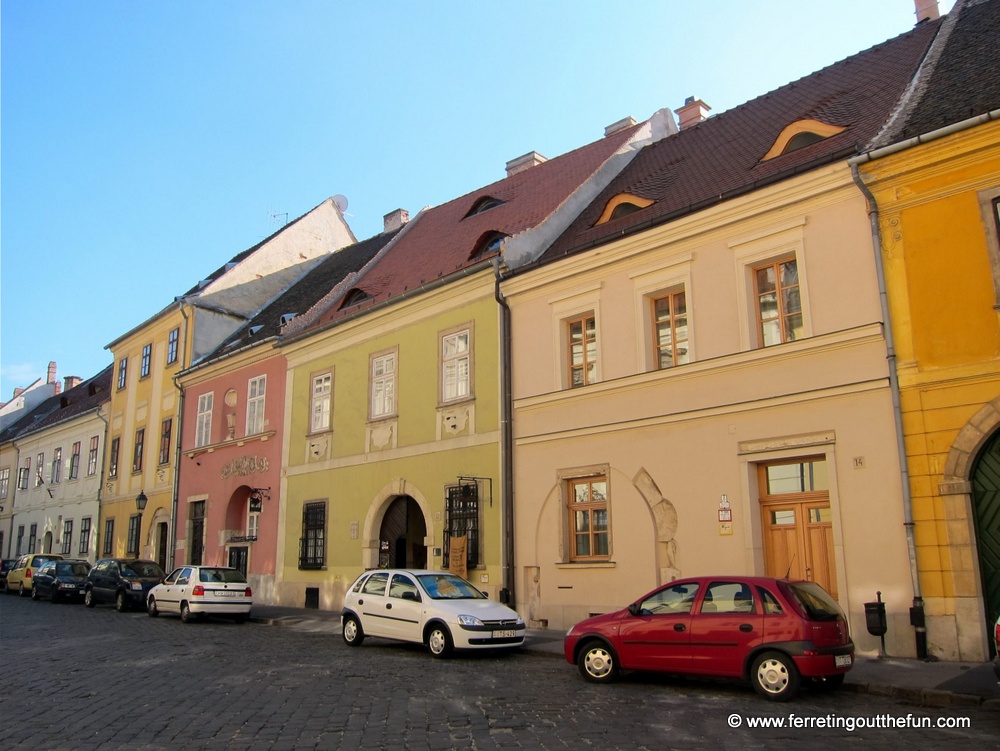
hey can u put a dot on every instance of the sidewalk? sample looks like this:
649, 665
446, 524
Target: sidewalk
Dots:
933, 684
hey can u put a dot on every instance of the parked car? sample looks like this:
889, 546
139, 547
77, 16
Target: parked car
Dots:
123, 581
60, 580
20, 576
435, 608
771, 632
193, 591
996, 648
6, 565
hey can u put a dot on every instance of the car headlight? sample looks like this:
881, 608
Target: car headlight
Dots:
469, 620
135, 585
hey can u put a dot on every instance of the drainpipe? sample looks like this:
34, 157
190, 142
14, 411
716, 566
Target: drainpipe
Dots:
506, 441
177, 447
917, 609
100, 487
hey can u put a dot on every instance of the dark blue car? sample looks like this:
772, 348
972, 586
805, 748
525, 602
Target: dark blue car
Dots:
60, 580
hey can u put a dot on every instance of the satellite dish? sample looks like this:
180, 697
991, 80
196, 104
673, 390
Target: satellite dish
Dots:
341, 202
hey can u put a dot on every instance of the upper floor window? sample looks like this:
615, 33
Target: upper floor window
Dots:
113, 459
55, 475
203, 428
4, 482
778, 302
95, 442
74, 461
122, 372
140, 441
670, 329
166, 428
147, 356
322, 391
255, 405
456, 365
383, 385
23, 473
588, 518
172, 339
582, 344
39, 464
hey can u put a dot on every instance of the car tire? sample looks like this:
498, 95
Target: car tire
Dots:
151, 610
598, 663
88, 598
439, 641
121, 605
34, 594
186, 615
828, 684
21, 591
774, 676
352, 632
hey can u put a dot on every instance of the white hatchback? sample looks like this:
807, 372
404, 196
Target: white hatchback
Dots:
436, 608
192, 591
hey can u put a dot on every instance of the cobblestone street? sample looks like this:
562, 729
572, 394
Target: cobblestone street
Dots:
84, 679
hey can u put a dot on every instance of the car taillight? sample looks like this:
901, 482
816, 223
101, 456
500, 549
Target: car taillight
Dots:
249, 593
27, 573
996, 635
198, 591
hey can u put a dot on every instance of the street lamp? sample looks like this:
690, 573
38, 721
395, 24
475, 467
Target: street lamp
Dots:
140, 504
140, 501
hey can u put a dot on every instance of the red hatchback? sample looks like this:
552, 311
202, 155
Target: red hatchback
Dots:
772, 632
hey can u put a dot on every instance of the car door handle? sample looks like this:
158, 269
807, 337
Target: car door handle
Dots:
679, 627
746, 627
361, 602
388, 606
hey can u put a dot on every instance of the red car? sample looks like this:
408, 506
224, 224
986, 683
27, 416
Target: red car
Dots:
774, 633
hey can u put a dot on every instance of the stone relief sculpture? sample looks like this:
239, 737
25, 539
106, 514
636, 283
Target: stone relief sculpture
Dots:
665, 518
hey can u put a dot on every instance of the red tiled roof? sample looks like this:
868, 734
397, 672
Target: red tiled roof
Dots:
721, 157
442, 239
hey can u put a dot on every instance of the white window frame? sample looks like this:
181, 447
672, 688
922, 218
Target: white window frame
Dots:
456, 386
55, 474
203, 426
383, 378
256, 392
321, 402
93, 453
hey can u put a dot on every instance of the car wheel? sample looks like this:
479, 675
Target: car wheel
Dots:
439, 641
825, 685
352, 633
120, 605
186, 615
21, 592
88, 598
34, 594
597, 663
775, 676
151, 609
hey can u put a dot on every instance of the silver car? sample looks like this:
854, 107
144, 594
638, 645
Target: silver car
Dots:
435, 608
193, 591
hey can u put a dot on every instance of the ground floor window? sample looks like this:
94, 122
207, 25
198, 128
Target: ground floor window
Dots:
109, 536
462, 509
67, 537
588, 518
134, 528
197, 532
312, 544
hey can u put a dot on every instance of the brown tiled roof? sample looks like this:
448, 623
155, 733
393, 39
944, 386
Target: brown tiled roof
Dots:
721, 157
82, 398
443, 239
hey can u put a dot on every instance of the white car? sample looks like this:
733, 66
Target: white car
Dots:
193, 591
435, 608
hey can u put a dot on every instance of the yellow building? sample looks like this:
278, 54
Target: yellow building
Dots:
139, 498
935, 182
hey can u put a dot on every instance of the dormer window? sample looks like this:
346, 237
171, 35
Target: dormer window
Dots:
488, 243
354, 297
800, 134
483, 204
622, 205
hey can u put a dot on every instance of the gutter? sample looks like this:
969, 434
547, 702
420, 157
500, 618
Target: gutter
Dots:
870, 156
508, 593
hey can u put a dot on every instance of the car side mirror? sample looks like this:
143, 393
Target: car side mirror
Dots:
410, 596
634, 609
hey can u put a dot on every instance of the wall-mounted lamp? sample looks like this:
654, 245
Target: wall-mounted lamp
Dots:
140, 501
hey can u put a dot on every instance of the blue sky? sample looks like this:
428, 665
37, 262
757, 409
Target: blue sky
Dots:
144, 144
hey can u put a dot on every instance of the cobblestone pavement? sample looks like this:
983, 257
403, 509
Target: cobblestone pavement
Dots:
79, 679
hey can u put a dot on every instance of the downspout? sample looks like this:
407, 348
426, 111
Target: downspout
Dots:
507, 594
177, 446
100, 488
917, 609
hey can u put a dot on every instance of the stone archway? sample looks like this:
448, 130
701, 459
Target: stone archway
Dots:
379, 507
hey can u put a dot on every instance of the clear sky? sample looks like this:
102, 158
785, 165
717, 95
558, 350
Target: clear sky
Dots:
142, 145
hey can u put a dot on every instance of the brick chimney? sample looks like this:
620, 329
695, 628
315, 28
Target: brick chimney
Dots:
51, 377
395, 219
529, 160
71, 382
927, 10
693, 112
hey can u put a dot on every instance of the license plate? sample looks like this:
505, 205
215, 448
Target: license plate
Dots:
842, 661
506, 634
228, 593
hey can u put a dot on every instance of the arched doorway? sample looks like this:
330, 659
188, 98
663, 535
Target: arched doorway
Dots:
402, 535
47, 543
985, 479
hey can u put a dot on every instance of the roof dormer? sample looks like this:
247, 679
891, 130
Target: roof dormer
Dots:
622, 205
800, 134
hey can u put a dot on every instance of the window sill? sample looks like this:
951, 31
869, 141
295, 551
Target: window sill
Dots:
572, 565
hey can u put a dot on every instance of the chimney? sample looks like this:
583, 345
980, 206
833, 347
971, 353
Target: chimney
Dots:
693, 112
395, 219
625, 122
71, 382
927, 10
51, 377
529, 160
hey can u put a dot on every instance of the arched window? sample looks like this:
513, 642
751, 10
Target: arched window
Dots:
800, 134
354, 297
622, 205
484, 204
488, 243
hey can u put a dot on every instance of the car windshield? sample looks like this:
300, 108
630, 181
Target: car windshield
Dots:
819, 606
449, 587
72, 569
221, 575
142, 569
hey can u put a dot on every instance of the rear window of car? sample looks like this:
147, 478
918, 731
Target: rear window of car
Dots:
72, 569
142, 569
38, 560
221, 575
815, 601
